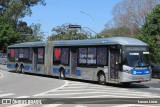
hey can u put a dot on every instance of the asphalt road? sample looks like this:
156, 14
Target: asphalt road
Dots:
16, 85
25, 84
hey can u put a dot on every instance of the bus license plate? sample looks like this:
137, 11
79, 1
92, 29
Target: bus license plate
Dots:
141, 79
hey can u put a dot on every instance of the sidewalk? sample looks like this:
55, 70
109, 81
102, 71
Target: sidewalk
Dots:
3, 67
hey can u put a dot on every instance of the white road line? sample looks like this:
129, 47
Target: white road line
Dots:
61, 87
95, 86
103, 90
22, 97
90, 87
18, 105
110, 93
1, 75
108, 96
80, 106
52, 105
100, 90
8, 94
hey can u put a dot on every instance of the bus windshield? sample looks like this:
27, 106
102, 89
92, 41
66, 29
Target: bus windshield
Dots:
137, 59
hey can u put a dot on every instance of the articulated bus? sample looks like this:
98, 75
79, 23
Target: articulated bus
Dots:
113, 60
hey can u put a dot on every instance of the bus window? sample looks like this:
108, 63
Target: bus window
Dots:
16, 53
91, 58
12, 52
102, 56
40, 55
65, 56
11, 55
82, 56
22, 54
30, 54
57, 56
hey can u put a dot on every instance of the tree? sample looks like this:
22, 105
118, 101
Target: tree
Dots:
8, 35
25, 31
37, 34
150, 33
18, 8
114, 32
131, 14
63, 32
11, 29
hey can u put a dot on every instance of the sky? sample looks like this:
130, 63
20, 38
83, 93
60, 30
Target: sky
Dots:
93, 14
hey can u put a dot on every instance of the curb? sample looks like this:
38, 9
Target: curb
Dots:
3, 67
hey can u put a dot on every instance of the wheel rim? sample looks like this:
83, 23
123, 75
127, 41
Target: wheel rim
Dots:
22, 70
62, 75
17, 69
102, 78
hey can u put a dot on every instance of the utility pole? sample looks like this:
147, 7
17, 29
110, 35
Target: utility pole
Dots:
93, 22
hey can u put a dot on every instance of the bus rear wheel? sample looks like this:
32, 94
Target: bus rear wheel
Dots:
102, 79
17, 69
22, 69
61, 74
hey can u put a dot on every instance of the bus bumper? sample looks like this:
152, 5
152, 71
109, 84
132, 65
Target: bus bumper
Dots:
126, 77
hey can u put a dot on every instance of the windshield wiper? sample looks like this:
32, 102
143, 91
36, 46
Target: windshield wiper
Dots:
136, 63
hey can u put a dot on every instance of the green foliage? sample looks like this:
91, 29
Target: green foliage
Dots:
114, 32
11, 29
150, 33
152, 25
8, 35
65, 33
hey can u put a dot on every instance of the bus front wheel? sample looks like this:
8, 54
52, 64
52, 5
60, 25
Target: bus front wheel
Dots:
61, 74
102, 79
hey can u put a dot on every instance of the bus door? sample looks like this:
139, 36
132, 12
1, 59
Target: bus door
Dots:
114, 55
35, 59
73, 62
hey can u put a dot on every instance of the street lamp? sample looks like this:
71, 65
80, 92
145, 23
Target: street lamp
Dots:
88, 15
93, 22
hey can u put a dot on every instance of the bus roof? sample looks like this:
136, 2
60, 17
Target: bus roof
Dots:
101, 41
29, 44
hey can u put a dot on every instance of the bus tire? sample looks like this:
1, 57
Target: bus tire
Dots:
17, 68
101, 78
22, 69
127, 84
61, 74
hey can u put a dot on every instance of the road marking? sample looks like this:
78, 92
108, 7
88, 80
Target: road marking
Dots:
111, 96
1, 75
59, 88
108, 94
22, 97
19, 105
52, 105
80, 106
8, 94
102, 90
90, 87
152, 88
